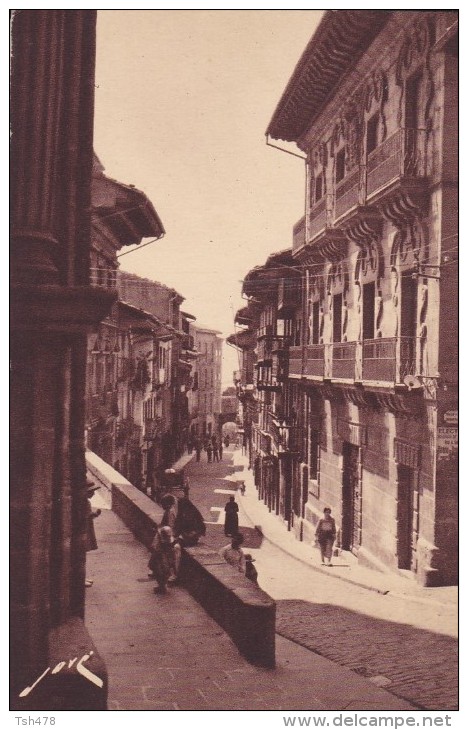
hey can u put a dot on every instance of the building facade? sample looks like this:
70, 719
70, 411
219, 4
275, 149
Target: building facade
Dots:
356, 380
206, 382
139, 382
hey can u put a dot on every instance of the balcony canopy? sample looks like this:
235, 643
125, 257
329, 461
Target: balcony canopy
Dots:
338, 43
262, 281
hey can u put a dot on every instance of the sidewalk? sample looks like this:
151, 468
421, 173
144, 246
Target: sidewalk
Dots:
345, 566
166, 653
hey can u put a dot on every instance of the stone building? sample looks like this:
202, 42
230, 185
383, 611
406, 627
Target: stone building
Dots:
358, 400
121, 216
167, 414
206, 381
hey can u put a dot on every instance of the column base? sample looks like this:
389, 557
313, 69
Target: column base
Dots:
76, 678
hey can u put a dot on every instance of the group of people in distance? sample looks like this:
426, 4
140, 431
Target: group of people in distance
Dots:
213, 447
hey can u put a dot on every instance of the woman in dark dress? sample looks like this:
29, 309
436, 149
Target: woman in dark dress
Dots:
231, 520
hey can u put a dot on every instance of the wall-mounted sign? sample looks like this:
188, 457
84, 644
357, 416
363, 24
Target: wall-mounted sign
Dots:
451, 418
447, 442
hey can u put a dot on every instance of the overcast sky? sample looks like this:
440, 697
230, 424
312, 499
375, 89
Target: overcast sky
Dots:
183, 100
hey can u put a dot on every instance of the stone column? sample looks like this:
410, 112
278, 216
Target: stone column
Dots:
52, 95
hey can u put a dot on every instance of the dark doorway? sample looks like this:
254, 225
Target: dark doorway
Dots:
352, 494
407, 517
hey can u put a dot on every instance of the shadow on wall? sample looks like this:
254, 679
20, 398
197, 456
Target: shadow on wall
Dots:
420, 666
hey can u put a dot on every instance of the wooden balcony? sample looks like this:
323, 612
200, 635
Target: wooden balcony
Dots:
343, 360
314, 361
389, 359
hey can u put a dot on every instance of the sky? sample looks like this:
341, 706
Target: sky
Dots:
183, 99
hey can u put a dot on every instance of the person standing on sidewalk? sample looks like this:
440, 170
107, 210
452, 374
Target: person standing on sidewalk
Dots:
198, 448
325, 535
209, 451
231, 520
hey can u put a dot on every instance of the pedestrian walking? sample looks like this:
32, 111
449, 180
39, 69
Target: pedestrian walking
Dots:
215, 448
231, 518
325, 536
91, 542
250, 570
233, 553
220, 450
227, 441
209, 451
198, 449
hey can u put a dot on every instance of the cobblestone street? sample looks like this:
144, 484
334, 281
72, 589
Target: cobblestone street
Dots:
406, 644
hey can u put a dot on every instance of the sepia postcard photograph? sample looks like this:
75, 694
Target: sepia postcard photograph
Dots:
234, 367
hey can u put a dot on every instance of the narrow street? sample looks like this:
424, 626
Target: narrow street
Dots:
413, 655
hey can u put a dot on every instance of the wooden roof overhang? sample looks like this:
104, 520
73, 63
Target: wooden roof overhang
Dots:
338, 43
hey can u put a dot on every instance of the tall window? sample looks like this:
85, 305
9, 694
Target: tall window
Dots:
337, 317
340, 166
318, 187
315, 322
313, 454
372, 137
368, 311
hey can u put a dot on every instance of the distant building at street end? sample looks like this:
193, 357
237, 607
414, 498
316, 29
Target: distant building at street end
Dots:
351, 401
206, 381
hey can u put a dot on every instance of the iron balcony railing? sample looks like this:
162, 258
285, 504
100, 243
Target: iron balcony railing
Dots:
343, 360
347, 192
266, 330
264, 347
279, 366
103, 277
402, 155
287, 438
314, 361
389, 359
299, 234
295, 360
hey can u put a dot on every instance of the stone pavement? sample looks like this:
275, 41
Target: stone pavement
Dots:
345, 566
382, 626
166, 653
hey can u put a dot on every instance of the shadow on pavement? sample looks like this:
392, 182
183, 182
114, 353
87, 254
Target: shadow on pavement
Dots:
417, 665
216, 539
